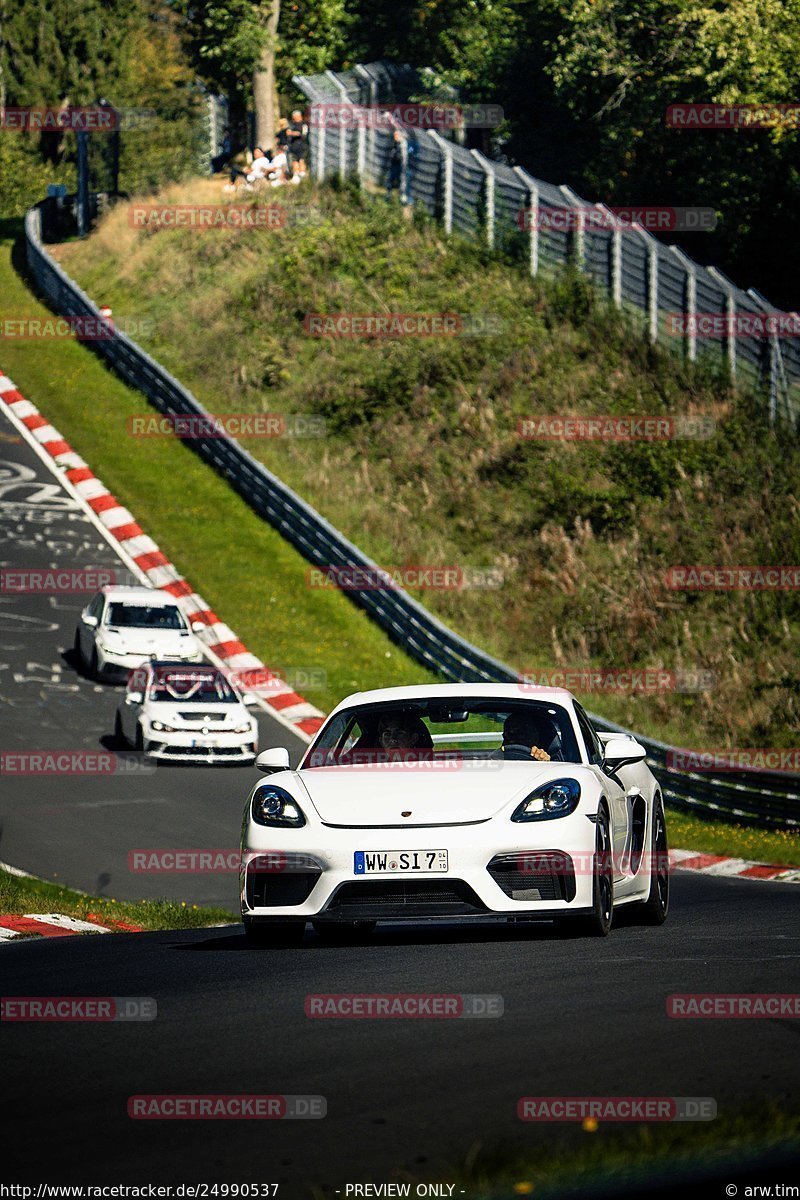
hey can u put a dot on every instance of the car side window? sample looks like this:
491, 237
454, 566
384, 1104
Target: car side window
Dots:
592, 742
96, 606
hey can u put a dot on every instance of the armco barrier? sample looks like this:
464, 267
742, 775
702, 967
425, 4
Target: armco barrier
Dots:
769, 800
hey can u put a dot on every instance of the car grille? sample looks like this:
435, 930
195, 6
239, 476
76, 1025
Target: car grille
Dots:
540, 875
268, 889
382, 900
209, 718
193, 751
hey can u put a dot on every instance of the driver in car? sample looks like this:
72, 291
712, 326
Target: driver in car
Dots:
528, 735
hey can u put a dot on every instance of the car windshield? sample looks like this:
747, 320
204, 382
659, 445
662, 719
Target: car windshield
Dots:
191, 686
144, 616
463, 728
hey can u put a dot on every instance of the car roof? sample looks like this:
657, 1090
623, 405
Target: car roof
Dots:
445, 691
138, 595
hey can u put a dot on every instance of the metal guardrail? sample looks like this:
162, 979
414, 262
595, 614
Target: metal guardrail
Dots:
769, 800
483, 198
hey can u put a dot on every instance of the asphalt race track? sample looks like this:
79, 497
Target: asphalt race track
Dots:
581, 1017
79, 830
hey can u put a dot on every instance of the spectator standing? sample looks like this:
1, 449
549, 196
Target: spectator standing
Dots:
297, 134
394, 174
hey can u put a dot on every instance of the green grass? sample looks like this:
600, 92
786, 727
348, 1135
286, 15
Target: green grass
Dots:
422, 462
569, 1160
20, 894
688, 832
238, 563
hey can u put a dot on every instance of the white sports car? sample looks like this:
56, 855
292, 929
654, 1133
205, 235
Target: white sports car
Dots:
186, 713
453, 802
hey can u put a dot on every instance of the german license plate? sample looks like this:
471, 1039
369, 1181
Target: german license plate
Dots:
398, 862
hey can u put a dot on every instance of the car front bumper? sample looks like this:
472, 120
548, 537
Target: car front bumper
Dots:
514, 871
193, 747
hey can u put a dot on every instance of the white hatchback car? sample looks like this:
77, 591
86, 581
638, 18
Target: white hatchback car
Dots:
122, 627
186, 714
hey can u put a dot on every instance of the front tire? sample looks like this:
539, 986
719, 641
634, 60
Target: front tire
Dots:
264, 934
120, 741
653, 910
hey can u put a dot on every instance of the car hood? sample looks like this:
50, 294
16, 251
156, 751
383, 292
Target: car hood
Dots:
145, 641
456, 793
196, 714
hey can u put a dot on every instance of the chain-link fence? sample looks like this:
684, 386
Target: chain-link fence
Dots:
696, 309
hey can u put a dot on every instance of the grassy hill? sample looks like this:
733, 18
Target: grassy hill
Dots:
423, 462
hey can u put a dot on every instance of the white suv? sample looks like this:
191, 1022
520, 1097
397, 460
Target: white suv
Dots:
122, 627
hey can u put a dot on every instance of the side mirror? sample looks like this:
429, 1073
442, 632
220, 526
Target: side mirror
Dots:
276, 759
90, 621
198, 626
249, 699
134, 698
621, 752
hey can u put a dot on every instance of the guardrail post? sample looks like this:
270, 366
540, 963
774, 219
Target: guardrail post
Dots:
447, 163
533, 216
690, 301
487, 166
345, 99
730, 315
652, 281
574, 201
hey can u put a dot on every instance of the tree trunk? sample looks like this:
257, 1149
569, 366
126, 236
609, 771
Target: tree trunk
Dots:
265, 92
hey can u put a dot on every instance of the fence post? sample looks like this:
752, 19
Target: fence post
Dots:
372, 96
574, 201
447, 162
345, 99
730, 313
690, 300
487, 166
652, 281
616, 255
533, 197
777, 375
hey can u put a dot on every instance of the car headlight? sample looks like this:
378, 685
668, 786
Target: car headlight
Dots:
160, 727
273, 806
243, 728
558, 798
